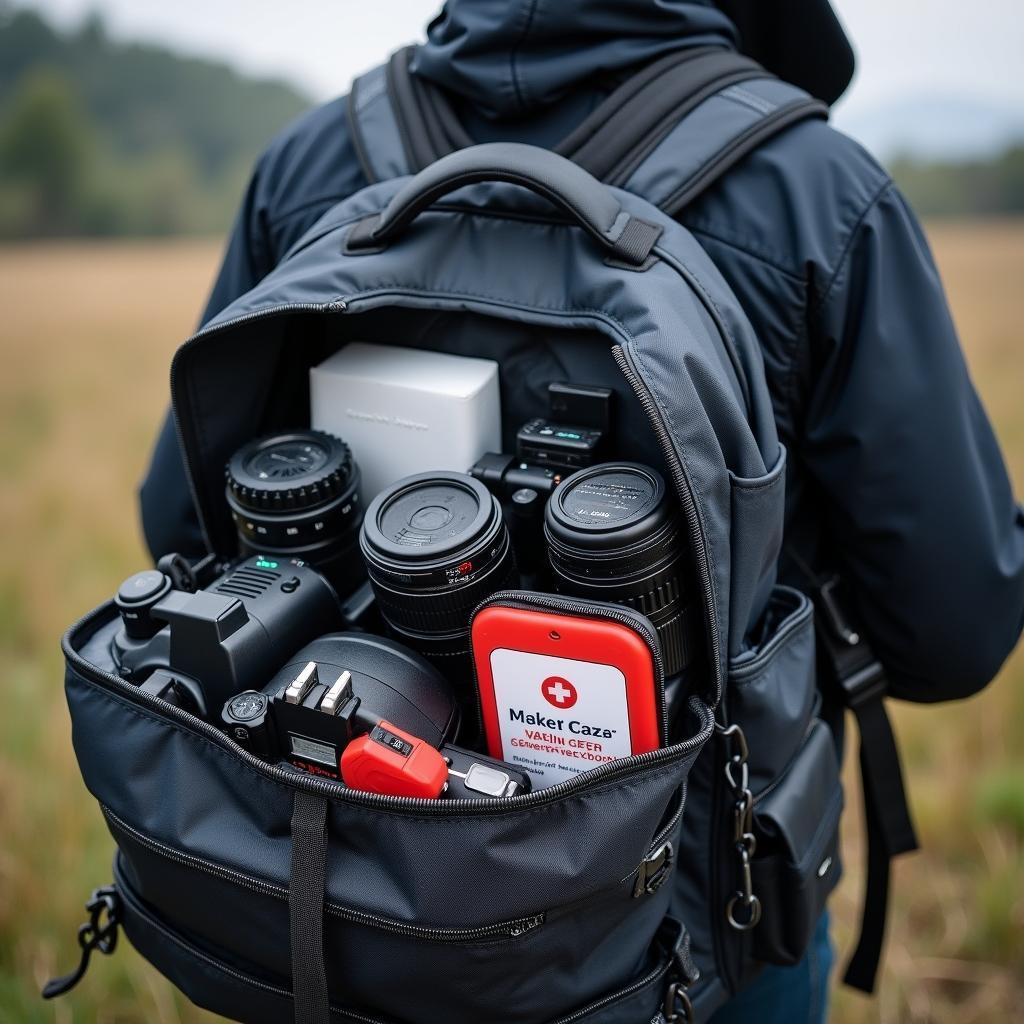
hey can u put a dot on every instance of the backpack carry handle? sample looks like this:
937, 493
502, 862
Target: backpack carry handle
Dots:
589, 203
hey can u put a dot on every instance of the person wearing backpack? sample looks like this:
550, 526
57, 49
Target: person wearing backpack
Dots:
895, 483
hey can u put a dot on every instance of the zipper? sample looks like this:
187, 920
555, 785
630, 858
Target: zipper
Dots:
512, 929
612, 770
624, 359
662, 837
152, 921
531, 600
650, 978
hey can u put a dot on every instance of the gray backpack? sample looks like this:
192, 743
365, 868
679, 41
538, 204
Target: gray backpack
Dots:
648, 889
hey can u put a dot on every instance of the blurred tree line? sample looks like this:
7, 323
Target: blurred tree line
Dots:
980, 188
99, 137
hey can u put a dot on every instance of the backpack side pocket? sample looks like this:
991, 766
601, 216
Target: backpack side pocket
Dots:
797, 864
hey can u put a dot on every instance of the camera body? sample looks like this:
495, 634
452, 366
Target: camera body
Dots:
204, 646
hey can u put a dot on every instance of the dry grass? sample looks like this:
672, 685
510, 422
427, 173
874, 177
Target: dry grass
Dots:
86, 339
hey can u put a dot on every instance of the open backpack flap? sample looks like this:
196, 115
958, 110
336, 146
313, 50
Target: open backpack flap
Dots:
268, 894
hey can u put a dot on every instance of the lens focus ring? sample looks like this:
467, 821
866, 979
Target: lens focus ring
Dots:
613, 536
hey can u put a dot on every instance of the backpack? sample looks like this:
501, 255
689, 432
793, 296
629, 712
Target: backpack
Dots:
650, 888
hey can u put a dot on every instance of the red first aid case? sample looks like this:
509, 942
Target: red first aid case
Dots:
565, 685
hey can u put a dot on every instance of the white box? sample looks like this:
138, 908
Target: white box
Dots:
405, 410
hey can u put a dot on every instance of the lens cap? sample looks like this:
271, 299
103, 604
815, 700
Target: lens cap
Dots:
608, 506
429, 516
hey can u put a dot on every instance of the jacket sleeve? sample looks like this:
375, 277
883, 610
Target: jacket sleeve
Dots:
918, 502
169, 521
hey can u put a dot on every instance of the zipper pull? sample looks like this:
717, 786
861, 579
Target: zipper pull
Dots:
653, 871
526, 924
91, 935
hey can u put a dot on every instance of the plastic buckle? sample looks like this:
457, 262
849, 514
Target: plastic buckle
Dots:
864, 685
651, 874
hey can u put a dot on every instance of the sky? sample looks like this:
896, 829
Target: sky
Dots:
948, 70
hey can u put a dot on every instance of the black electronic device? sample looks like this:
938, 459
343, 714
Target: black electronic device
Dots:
574, 432
226, 638
295, 494
613, 534
548, 449
557, 445
335, 688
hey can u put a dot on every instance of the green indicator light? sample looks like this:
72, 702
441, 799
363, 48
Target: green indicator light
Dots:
265, 563
568, 434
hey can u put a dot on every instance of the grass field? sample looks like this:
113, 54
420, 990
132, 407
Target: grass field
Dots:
86, 336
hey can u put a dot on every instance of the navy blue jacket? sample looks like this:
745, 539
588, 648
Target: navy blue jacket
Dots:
895, 477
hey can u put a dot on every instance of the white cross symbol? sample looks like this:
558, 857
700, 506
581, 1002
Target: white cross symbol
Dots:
558, 691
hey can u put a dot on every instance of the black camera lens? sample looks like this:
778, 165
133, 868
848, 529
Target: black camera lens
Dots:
296, 495
435, 546
613, 535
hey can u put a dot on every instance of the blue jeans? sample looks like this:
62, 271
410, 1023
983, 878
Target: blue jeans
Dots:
787, 995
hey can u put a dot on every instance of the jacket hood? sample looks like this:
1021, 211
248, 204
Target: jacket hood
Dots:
509, 58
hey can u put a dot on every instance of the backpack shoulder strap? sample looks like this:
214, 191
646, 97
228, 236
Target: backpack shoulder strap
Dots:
667, 133
376, 135
400, 124
674, 129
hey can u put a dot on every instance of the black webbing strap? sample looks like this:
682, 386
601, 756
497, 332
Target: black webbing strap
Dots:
632, 129
420, 144
581, 137
426, 122
306, 894
861, 685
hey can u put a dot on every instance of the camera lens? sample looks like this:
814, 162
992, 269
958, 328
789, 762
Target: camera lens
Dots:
296, 495
436, 545
613, 536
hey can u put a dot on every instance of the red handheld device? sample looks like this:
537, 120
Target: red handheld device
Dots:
561, 694
390, 761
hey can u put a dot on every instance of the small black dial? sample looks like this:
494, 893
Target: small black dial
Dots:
247, 706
